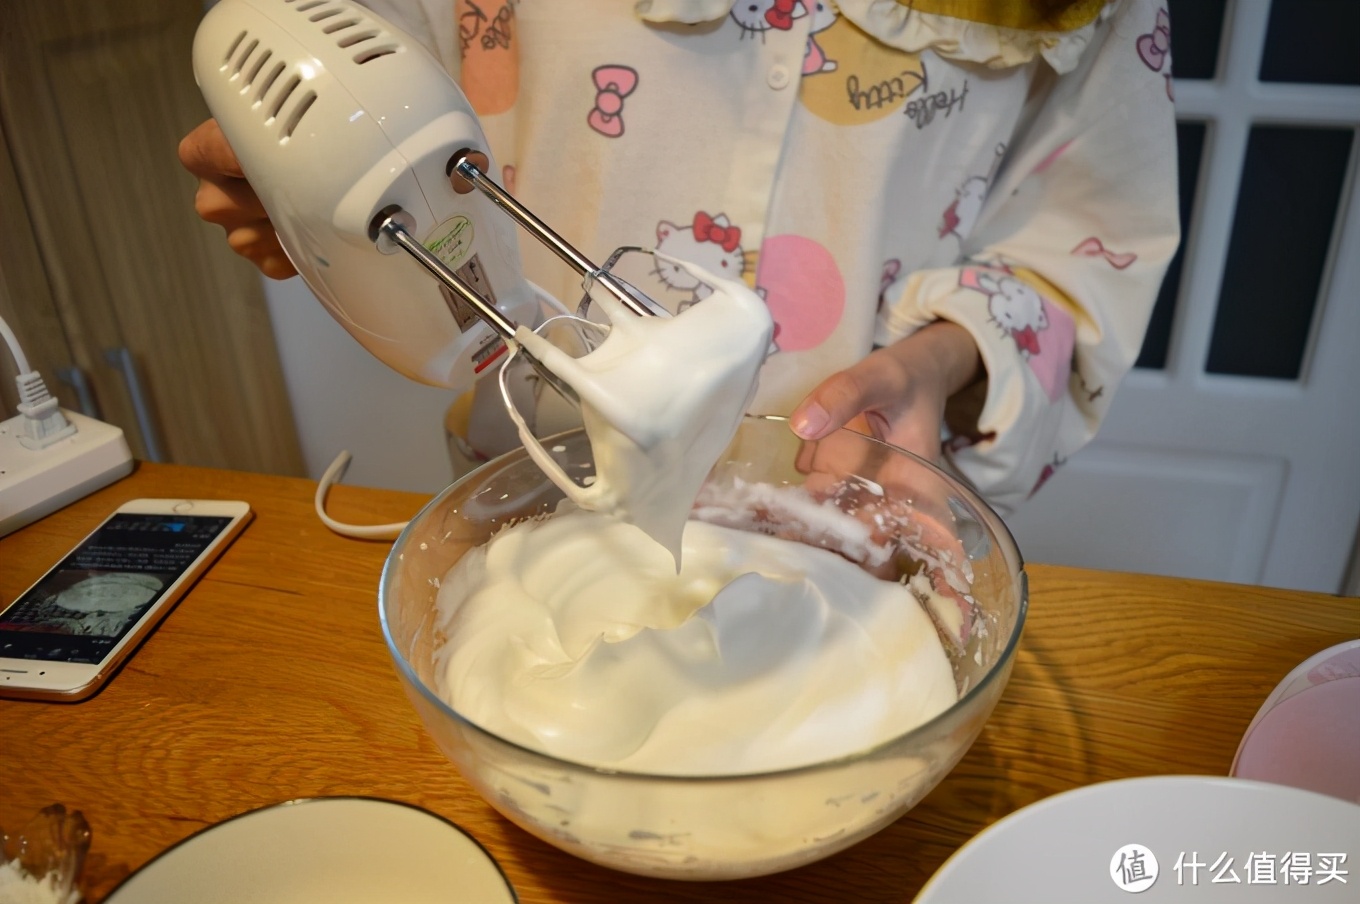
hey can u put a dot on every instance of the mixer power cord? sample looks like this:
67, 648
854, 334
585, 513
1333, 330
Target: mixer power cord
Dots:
333, 475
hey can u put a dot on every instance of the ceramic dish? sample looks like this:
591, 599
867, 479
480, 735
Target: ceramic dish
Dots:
333, 849
1102, 842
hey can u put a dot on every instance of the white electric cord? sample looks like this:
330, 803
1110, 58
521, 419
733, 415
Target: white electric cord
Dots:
550, 307
43, 422
332, 476
14, 347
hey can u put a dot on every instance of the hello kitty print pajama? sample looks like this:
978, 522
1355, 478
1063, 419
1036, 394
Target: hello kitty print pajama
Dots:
868, 166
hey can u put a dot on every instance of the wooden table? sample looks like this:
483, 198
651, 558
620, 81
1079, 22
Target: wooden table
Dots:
271, 681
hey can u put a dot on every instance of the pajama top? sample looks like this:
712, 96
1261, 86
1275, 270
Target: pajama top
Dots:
868, 167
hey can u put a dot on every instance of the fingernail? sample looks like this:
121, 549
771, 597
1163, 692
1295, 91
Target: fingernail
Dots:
809, 421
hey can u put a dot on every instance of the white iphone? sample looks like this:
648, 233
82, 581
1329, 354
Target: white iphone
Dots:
65, 636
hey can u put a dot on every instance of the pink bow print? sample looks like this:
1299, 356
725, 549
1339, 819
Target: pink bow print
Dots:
950, 220
1027, 340
612, 85
1153, 47
706, 230
1093, 247
780, 15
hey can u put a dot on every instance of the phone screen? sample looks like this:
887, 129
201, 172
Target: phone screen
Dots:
81, 609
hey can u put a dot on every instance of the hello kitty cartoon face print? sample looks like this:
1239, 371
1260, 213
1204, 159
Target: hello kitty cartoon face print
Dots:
1017, 308
756, 17
1048, 470
892, 269
1043, 332
961, 216
712, 242
815, 60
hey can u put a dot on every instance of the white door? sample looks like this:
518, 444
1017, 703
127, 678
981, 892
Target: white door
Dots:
1235, 454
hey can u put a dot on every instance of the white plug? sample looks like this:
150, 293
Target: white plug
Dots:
43, 422
50, 457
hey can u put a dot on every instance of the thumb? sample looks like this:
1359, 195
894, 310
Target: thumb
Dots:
840, 397
206, 153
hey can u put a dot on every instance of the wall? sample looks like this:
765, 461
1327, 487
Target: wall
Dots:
344, 398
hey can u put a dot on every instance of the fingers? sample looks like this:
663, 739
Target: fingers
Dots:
875, 382
228, 202
225, 198
258, 243
275, 265
206, 153
235, 208
917, 431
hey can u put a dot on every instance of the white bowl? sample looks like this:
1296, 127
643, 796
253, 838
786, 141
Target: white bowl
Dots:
340, 850
1068, 848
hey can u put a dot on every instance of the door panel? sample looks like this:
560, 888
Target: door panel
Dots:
95, 98
1230, 475
1130, 508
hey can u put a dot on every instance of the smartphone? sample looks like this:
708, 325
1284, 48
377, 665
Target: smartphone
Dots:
65, 636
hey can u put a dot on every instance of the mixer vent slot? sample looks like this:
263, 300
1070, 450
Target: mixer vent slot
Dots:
282, 97
255, 70
356, 38
226, 60
299, 110
245, 60
269, 81
272, 83
372, 53
349, 26
244, 55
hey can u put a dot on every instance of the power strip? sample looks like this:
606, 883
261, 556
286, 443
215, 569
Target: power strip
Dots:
35, 483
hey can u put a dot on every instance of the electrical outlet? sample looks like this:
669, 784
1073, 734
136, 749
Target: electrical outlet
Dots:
35, 483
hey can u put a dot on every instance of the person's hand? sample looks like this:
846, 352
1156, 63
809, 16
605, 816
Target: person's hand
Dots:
226, 198
897, 394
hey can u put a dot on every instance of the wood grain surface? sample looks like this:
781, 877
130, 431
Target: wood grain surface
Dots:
270, 681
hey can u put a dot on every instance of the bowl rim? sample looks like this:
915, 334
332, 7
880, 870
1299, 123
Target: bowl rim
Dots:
1004, 660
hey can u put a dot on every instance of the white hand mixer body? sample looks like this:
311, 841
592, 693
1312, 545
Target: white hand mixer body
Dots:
361, 146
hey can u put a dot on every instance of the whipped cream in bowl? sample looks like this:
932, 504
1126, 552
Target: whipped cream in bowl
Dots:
823, 645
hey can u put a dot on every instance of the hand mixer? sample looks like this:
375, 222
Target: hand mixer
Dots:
360, 146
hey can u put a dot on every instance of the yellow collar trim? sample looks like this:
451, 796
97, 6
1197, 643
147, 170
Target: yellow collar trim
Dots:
1022, 15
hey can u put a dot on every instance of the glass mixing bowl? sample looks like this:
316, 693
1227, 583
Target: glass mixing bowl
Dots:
731, 826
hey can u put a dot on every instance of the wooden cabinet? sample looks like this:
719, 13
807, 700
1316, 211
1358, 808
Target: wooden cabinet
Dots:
106, 274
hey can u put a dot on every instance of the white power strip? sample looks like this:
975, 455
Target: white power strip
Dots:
37, 483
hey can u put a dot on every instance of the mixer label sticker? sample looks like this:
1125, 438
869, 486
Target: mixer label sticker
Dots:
451, 241
488, 354
463, 313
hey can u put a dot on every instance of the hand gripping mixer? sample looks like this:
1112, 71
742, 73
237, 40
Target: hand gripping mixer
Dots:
361, 147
